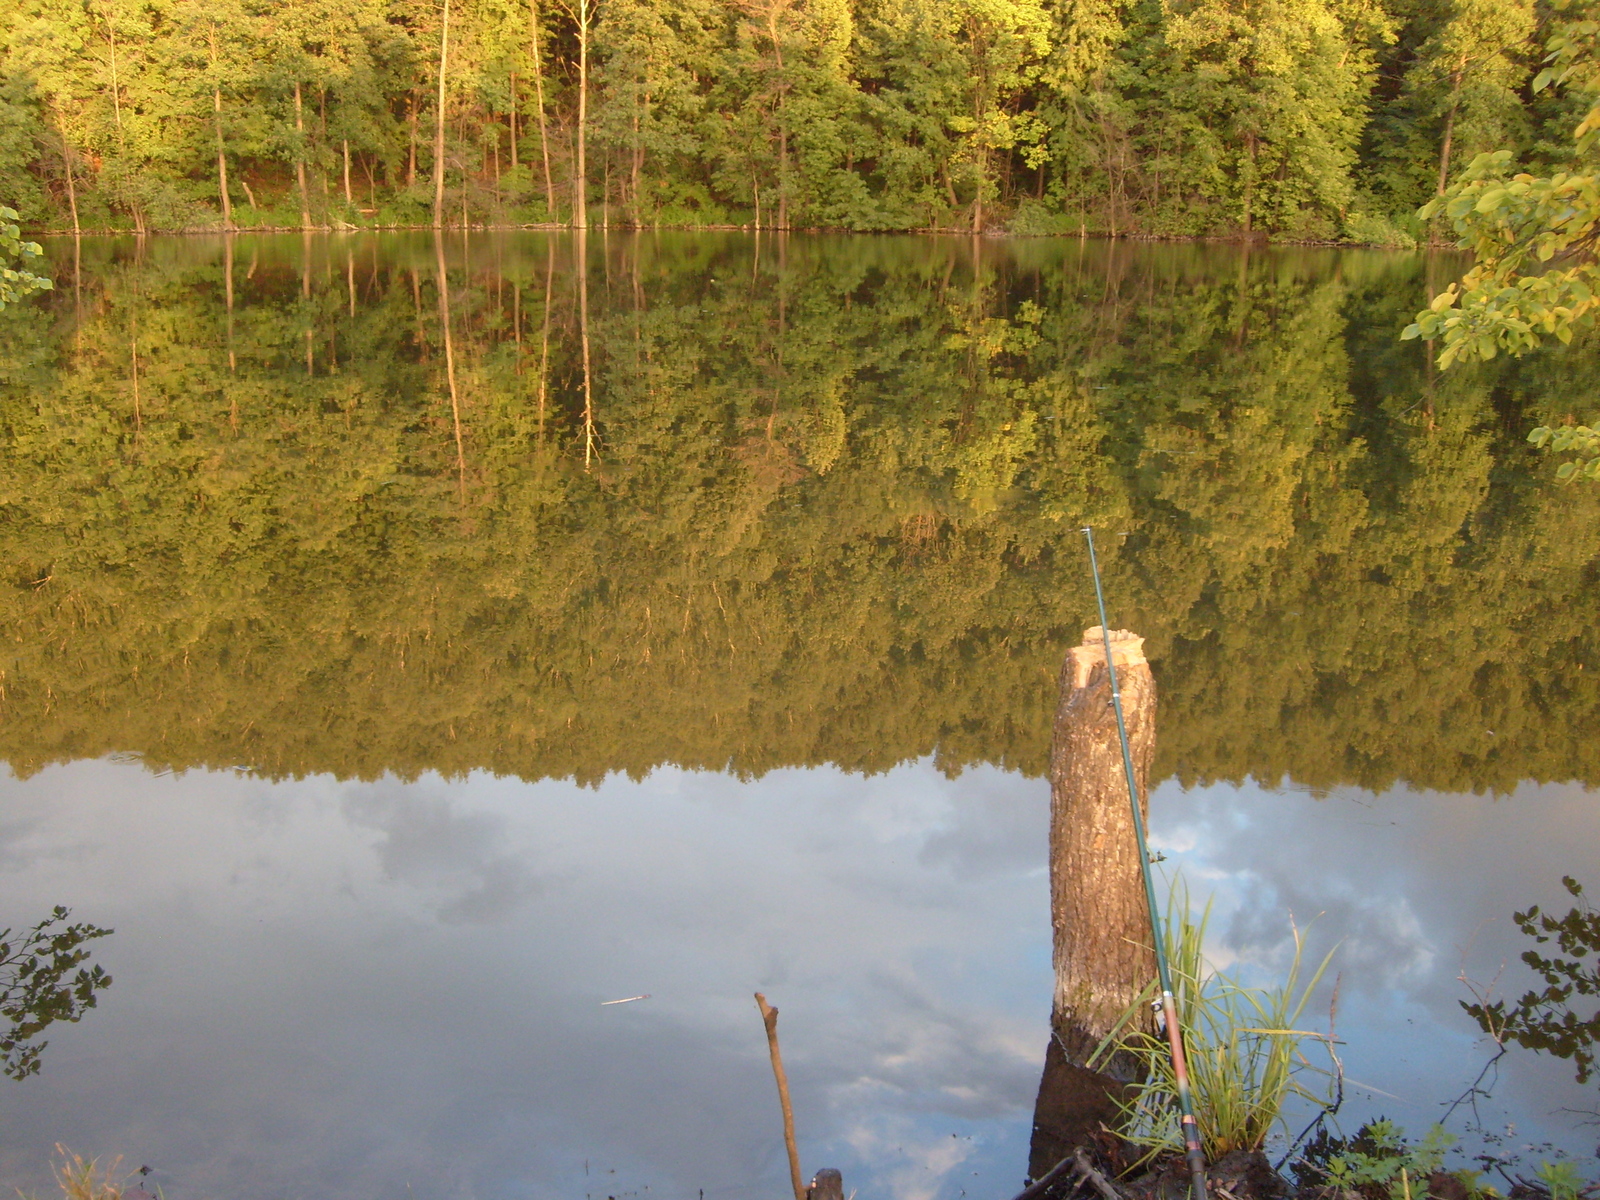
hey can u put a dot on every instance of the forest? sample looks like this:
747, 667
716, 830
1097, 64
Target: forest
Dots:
1309, 120
561, 505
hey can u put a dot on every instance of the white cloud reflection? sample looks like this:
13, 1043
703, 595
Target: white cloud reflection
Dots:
332, 989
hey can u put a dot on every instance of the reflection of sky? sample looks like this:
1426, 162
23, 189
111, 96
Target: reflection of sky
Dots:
1419, 889
390, 989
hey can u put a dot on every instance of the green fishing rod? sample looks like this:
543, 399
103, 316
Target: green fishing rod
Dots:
1193, 1151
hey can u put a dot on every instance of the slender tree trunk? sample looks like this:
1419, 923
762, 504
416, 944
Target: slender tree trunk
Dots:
222, 160
66, 164
233, 364
1449, 130
1250, 181
349, 197
513, 116
450, 360
438, 127
322, 140
116, 90
583, 331
411, 122
635, 161
544, 339
222, 156
300, 159
977, 200
138, 414
544, 135
305, 294
783, 122
580, 214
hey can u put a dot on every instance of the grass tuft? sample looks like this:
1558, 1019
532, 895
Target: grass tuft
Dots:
86, 1179
1246, 1051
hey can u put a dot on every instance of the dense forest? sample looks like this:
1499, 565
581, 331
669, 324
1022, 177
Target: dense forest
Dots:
1300, 119
366, 503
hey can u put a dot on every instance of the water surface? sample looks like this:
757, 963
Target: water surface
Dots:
411, 645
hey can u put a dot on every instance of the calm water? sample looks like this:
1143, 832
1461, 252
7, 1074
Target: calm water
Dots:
404, 669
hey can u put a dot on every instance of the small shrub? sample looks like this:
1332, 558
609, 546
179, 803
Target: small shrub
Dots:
1035, 219
1381, 232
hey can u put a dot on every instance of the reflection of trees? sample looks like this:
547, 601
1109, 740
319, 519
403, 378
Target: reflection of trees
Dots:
1543, 1019
834, 520
38, 986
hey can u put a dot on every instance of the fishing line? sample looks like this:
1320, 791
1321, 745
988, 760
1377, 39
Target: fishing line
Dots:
1193, 1152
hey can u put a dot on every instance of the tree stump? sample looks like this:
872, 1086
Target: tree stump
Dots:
1102, 942
1103, 956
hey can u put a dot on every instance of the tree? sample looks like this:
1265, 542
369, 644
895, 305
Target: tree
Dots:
1534, 240
38, 988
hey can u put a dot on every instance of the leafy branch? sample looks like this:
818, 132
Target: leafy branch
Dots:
38, 986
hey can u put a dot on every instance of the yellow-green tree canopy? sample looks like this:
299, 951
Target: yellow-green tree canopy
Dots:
833, 515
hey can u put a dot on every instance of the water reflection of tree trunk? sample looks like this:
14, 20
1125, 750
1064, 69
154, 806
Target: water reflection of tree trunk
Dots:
544, 337
583, 331
450, 360
1103, 956
305, 294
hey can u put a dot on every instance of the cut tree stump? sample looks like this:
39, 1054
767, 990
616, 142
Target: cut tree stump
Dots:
1102, 943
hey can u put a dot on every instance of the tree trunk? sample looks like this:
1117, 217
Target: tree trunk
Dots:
1103, 956
411, 122
438, 124
580, 212
300, 159
583, 328
544, 135
66, 165
348, 197
1102, 951
1449, 130
222, 160
783, 127
450, 360
513, 120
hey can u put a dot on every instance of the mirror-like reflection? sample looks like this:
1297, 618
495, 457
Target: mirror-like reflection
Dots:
829, 515
384, 540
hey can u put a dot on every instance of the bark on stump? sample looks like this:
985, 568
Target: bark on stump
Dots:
1102, 951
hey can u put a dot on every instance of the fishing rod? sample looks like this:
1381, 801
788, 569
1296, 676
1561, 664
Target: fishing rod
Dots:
1169, 1009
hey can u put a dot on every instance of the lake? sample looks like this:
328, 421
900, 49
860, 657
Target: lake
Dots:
412, 645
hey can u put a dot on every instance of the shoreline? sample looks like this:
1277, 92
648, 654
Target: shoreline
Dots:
1249, 240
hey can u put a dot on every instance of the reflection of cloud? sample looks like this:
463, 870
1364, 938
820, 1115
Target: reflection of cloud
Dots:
1414, 888
915, 1164
426, 842
993, 831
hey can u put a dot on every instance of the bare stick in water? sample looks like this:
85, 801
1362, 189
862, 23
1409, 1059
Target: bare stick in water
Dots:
769, 1017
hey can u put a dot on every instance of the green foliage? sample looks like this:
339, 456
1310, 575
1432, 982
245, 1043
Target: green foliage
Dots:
1562, 1180
1381, 232
16, 257
1378, 1163
1580, 440
1247, 1056
1268, 117
38, 986
1532, 237
1544, 1019
834, 518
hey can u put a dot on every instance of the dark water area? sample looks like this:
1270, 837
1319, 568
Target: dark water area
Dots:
410, 645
